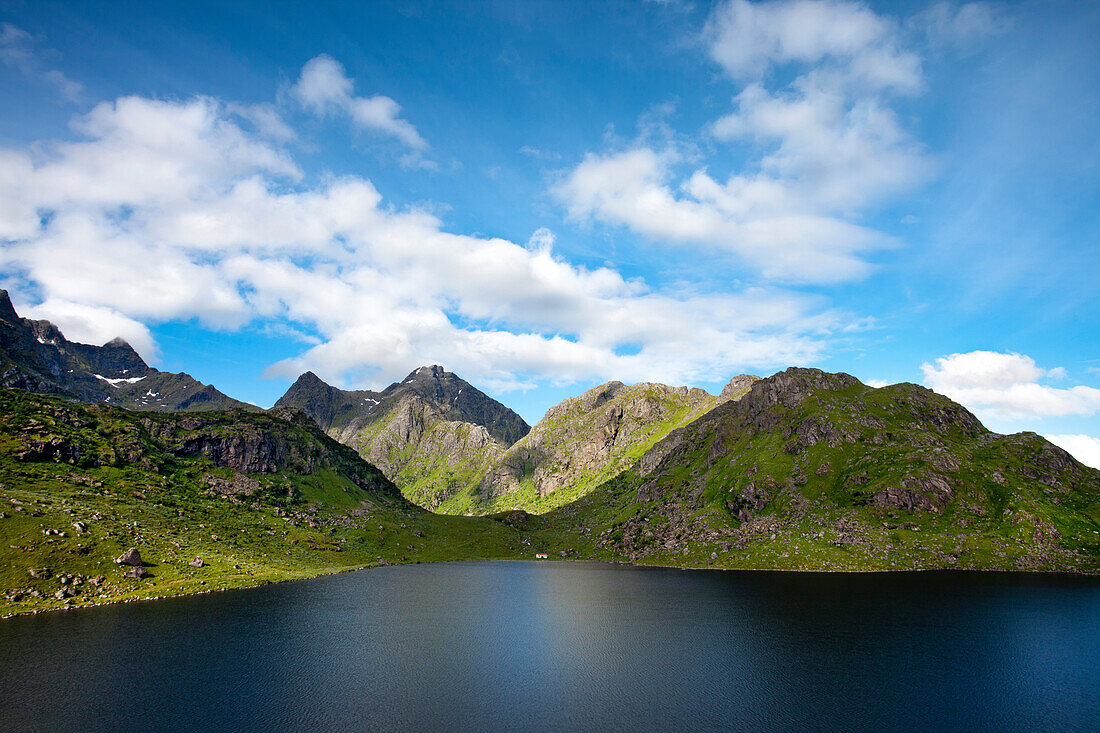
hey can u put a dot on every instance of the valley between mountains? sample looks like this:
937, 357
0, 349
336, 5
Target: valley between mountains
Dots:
801, 470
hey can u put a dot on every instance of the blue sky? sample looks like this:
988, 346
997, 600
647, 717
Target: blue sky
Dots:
545, 196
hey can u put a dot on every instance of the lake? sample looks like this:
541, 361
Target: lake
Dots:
571, 646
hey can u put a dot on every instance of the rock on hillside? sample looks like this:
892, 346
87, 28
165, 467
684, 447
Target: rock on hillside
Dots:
818, 471
432, 433
36, 356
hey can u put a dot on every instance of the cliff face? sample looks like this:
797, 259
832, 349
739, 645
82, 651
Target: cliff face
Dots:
587, 440
813, 465
36, 356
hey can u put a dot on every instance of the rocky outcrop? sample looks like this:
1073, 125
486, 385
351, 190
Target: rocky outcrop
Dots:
130, 557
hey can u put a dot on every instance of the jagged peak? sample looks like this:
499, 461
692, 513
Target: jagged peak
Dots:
433, 371
7, 310
308, 378
118, 343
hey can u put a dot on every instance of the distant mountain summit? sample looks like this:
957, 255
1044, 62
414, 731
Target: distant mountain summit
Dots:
432, 433
36, 356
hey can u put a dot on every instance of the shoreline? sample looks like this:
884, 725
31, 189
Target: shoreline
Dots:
373, 566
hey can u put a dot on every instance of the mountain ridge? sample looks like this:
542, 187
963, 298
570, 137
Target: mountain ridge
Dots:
36, 356
811, 470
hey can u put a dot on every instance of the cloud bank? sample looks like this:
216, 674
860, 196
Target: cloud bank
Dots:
1006, 386
162, 210
830, 145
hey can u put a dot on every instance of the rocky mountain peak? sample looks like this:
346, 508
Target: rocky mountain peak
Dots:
7, 310
791, 386
738, 386
427, 373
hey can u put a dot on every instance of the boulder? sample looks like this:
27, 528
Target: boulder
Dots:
196, 563
136, 572
130, 557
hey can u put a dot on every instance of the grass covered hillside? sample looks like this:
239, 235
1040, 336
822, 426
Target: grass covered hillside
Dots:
583, 442
257, 497
817, 471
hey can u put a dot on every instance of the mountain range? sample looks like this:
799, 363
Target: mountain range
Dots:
801, 470
36, 356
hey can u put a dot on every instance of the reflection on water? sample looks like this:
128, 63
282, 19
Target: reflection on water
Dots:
577, 646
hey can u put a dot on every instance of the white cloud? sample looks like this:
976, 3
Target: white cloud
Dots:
1006, 386
16, 50
324, 87
94, 325
175, 210
750, 218
1084, 448
828, 144
876, 383
748, 38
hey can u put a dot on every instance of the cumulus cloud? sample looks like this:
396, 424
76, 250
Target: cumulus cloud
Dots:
746, 39
1084, 448
1006, 386
324, 87
748, 217
87, 324
17, 51
166, 210
831, 145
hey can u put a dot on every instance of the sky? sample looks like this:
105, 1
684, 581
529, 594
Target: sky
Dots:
543, 196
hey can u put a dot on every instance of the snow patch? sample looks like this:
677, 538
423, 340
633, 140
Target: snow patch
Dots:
115, 382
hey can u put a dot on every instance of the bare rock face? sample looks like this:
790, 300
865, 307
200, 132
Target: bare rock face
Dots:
238, 484
130, 557
738, 387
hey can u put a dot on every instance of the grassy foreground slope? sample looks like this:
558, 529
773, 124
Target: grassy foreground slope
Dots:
817, 471
258, 497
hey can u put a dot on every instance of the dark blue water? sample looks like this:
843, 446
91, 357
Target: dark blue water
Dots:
571, 646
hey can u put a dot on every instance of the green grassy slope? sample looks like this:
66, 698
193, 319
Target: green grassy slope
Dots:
80, 484
817, 471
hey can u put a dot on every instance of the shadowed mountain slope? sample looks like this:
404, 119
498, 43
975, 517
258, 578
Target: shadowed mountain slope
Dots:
36, 356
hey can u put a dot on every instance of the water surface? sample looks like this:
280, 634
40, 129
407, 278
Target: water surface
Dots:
571, 646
